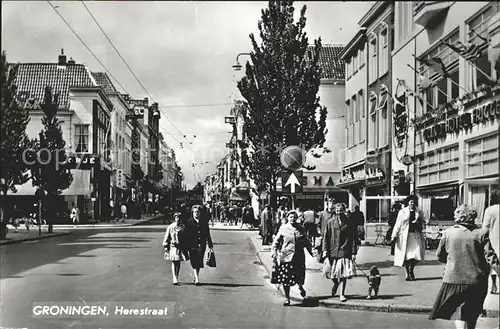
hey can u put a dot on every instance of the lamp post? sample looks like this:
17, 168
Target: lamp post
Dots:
237, 66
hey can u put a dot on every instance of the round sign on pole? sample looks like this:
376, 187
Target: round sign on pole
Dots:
293, 157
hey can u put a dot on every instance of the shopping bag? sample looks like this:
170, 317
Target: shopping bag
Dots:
274, 273
327, 268
166, 254
211, 258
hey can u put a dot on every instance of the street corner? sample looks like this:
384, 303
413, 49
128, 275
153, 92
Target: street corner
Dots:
20, 237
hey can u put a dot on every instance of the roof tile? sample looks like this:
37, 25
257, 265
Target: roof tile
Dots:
103, 80
32, 78
332, 66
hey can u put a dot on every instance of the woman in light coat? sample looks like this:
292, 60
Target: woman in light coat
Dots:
408, 237
289, 243
175, 246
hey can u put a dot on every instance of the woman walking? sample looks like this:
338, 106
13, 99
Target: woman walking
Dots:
290, 242
408, 237
465, 280
197, 237
174, 246
340, 247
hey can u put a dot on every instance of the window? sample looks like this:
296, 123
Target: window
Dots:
384, 50
372, 125
348, 113
374, 62
354, 111
82, 138
347, 69
482, 156
361, 105
383, 124
355, 63
438, 166
448, 56
404, 20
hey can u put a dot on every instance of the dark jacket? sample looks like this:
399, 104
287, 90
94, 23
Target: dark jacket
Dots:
197, 234
339, 238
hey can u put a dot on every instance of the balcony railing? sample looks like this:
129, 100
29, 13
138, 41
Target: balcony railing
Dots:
425, 11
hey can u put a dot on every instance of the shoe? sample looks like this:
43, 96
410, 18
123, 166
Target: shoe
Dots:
369, 297
175, 283
286, 303
343, 299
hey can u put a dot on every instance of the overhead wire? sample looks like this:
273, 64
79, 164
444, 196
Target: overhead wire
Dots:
131, 71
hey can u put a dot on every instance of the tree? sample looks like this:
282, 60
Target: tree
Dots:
51, 178
13, 139
280, 88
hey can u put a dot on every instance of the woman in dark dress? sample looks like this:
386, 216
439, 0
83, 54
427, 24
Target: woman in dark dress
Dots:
197, 236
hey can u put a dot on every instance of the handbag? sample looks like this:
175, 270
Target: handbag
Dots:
166, 255
211, 259
275, 272
327, 268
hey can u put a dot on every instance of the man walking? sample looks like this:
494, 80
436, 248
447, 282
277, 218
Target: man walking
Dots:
310, 224
324, 218
359, 218
75, 214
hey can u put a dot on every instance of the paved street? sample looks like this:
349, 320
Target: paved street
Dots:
126, 265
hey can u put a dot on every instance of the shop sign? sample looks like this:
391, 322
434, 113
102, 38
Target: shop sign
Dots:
480, 114
353, 176
373, 174
86, 161
318, 181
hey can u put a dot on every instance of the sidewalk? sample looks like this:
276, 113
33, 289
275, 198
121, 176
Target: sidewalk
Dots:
111, 224
23, 235
222, 227
396, 295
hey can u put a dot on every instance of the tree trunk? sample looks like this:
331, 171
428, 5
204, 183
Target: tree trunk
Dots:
3, 223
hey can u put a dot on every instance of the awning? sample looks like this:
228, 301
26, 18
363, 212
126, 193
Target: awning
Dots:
441, 191
79, 186
235, 196
351, 183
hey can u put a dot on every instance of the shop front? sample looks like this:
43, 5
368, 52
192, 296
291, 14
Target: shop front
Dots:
459, 162
353, 181
377, 187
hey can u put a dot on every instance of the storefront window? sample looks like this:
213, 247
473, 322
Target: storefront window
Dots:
482, 156
438, 166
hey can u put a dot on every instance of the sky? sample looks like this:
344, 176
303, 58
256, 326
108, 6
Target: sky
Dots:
182, 52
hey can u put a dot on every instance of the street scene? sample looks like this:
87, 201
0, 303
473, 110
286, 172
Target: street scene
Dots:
280, 164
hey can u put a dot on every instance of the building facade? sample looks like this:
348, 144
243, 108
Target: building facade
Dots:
456, 112
84, 111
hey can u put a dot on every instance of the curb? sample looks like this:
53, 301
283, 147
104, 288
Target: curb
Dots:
7, 242
233, 229
97, 226
406, 309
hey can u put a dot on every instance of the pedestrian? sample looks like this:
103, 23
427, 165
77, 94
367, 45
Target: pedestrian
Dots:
465, 280
359, 218
197, 237
123, 210
248, 216
175, 246
14, 217
339, 250
310, 224
323, 219
408, 237
393, 215
490, 224
290, 242
266, 225
75, 214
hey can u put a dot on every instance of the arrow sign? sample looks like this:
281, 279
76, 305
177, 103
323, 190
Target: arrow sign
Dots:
291, 182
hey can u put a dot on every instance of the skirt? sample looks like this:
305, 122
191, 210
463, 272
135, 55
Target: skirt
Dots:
176, 254
459, 301
341, 268
415, 248
290, 274
196, 258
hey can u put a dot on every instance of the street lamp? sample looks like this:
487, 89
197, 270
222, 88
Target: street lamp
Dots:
238, 66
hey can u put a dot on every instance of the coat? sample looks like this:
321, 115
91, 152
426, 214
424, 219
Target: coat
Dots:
197, 235
266, 225
339, 238
400, 233
289, 243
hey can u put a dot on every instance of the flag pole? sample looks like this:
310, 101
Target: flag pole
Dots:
414, 93
468, 61
442, 92
448, 78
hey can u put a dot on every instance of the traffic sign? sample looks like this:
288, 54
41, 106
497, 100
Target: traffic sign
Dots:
293, 157
291, 182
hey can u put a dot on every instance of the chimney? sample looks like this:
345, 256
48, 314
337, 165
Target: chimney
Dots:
62, 58
71, 61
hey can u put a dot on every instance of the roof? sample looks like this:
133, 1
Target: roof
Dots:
373, 13
32, 78
103, 80
357, 39
332, 66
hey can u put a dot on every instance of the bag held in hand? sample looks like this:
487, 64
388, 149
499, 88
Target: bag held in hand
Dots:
211, 258
274, 273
